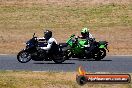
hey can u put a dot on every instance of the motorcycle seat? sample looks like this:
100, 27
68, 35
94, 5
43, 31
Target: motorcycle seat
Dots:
63, 45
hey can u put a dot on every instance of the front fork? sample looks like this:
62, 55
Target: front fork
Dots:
68, 54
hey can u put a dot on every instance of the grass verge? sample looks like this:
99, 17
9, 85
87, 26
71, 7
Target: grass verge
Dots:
27, 79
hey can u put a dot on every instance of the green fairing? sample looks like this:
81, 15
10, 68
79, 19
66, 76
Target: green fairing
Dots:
79, 48
69, 40
102, 46
83, 42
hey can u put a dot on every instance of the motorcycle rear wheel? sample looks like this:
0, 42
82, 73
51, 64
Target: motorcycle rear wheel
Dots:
58, 59
99, 55
23, 56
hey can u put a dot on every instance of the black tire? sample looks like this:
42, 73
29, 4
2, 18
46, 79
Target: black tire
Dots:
104, 53
81, 80
99, 55
58, 59
23, 59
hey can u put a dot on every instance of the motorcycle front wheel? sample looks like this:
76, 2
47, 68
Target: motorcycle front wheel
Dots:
23, 56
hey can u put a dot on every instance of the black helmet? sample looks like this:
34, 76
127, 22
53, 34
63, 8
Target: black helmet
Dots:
47, 34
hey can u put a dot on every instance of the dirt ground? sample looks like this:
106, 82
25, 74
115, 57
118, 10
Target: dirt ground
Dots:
119, 40
109, 20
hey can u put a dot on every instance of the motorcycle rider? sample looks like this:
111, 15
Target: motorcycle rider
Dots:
50, 40
85, 34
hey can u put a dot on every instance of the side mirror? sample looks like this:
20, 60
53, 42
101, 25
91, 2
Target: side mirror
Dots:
33, 34
72, 35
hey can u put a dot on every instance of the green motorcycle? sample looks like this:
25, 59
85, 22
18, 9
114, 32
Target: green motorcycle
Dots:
76, 48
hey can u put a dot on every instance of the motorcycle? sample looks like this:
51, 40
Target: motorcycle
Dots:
33, 51
76, 48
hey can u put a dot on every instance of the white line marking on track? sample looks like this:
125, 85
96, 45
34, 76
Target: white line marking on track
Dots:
4, 54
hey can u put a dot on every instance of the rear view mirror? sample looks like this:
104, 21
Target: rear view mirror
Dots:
33, 34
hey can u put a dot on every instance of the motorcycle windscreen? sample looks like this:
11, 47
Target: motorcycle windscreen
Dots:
70, 42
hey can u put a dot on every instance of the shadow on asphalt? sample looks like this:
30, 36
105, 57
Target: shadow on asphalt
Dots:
51, 63
88, 60
94, 60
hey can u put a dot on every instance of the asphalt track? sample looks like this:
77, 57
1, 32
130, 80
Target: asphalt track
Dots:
108, 64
